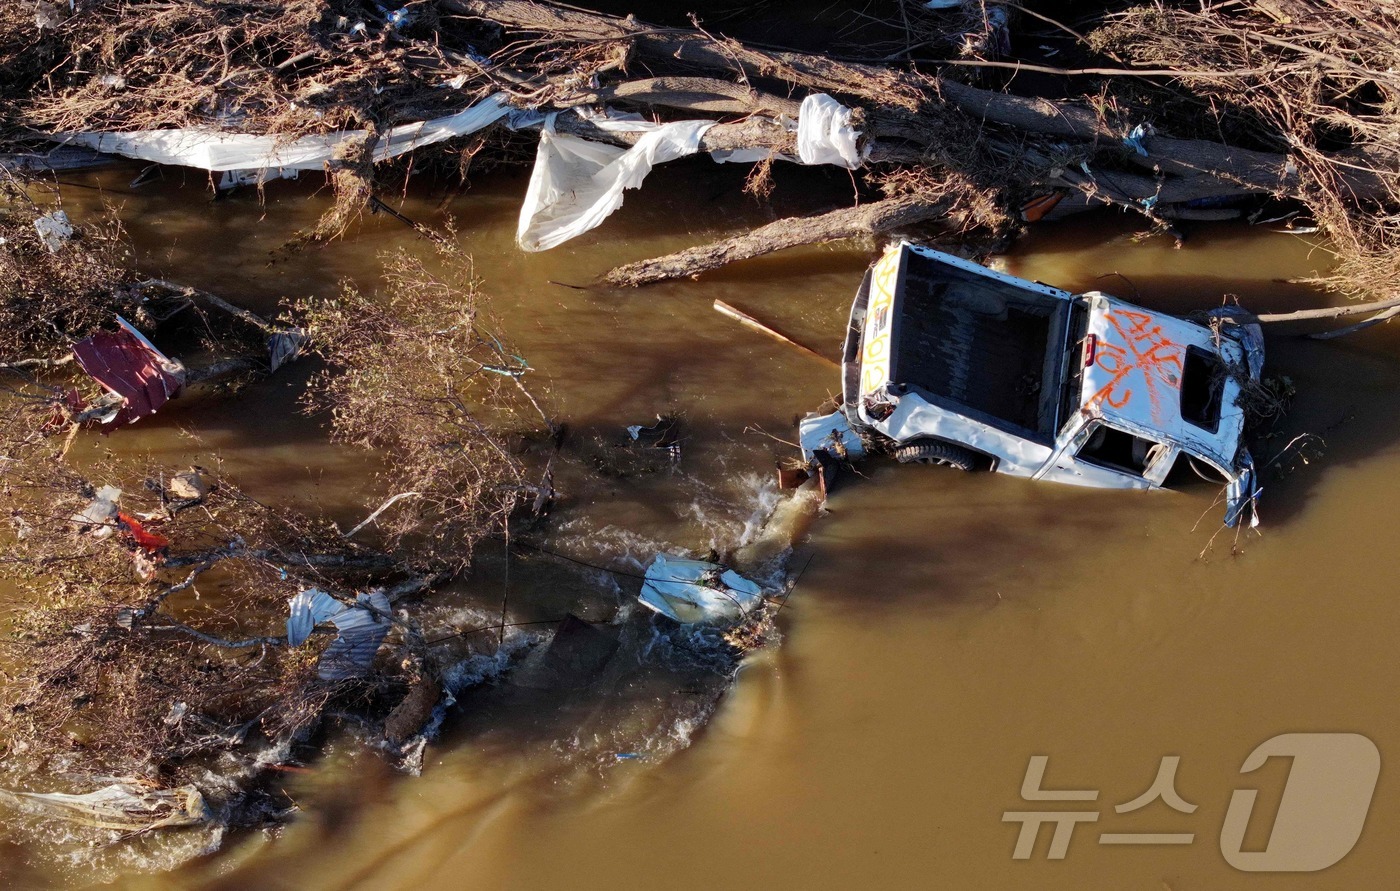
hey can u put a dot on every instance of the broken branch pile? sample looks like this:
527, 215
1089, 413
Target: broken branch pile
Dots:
1174, 113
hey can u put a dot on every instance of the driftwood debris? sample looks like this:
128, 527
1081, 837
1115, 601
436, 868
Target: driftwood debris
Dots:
753, 324
938, 125
1174, 113
849, 222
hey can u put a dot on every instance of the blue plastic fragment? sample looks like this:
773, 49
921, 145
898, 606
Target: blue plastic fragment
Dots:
1135, 136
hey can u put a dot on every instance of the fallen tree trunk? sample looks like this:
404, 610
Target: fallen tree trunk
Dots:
848, 222
695, 48
1331, 312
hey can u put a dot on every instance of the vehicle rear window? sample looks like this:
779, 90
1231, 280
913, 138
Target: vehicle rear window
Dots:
1202, 387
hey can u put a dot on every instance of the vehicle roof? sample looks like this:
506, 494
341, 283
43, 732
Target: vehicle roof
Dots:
1135, 379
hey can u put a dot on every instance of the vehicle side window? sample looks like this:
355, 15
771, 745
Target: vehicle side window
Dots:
1202, 387
1110, 447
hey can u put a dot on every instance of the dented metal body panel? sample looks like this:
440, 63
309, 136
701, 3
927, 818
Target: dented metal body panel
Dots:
1082, 389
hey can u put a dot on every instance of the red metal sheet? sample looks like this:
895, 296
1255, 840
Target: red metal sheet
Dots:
127, 364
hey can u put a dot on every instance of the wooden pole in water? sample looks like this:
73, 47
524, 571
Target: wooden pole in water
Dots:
753, 324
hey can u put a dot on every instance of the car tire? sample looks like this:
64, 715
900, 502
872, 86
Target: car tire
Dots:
929, 451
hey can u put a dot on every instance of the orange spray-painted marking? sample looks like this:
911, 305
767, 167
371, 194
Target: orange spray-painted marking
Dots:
1145, 350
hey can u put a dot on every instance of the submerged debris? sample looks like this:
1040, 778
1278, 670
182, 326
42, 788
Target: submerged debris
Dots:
664, 434
574, 656
54, 230
129, 805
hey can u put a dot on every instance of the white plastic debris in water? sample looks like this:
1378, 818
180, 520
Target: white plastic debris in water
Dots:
825, 135
829, 433
691, 591
127, 806
576, 183
252, 158
54, 230
101, 512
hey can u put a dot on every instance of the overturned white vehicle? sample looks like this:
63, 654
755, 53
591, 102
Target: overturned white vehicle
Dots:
956, 364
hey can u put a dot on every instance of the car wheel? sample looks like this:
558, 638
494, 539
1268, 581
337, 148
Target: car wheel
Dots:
931, 452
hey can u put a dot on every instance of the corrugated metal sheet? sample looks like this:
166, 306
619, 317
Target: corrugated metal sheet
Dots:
129, 365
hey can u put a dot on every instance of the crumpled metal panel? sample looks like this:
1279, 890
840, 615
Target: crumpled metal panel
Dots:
129, 365
363, 628
915, 418
830, 433
1242, 494
690, 591
307, 610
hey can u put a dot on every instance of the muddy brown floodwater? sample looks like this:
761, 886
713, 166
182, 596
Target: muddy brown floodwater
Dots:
947, 628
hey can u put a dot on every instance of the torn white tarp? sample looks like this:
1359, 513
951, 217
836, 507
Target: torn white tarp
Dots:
362, 628
130, 805
690, 591
250, 158
576, 183
101, 512
825, 134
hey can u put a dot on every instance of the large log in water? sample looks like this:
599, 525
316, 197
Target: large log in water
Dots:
848, 222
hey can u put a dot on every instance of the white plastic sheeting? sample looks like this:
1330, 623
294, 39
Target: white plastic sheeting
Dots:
129, 805
100, 513
54, 230
576, 183
690, 591
825, 134
249, 158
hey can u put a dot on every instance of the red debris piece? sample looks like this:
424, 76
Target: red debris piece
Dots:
150, 542
129, 365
